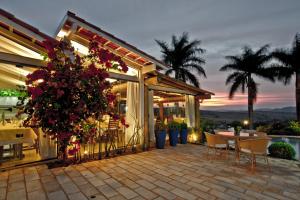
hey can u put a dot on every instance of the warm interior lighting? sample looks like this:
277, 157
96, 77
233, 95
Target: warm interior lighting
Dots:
40, 80
85, 152
194, 137
80, 48
61, 34
111, 80
9, 46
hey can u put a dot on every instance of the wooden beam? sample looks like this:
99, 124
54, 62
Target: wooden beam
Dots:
85, 42
123, 77
148, 68
170, 99
16, 38
168, 89
81, 24
151, 81
20, 60
20, 28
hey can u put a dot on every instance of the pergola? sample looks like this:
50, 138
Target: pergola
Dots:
21, 46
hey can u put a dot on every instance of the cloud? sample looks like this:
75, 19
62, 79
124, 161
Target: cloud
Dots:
223, 26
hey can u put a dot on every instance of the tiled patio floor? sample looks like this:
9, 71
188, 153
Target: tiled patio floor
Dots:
174, 173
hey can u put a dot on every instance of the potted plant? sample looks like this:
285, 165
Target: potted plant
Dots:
183, 133
160, 136
173, 132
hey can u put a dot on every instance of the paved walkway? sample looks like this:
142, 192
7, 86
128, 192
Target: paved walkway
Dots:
174, 173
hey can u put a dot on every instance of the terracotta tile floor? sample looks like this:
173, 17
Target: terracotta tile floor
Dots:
183, 172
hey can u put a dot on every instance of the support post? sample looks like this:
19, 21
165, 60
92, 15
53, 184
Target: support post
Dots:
197, 118
161, 111
141, 115
146, 119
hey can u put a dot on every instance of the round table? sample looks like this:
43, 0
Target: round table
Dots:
229, 135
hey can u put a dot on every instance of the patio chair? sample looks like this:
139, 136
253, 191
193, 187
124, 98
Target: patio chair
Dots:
112, 136
216, 143
253, 148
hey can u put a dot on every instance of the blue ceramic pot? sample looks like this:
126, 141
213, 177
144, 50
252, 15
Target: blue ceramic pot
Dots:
173, 137
160, 137
183, 136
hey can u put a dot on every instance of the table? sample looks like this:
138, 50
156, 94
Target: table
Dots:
229, 135
8, 136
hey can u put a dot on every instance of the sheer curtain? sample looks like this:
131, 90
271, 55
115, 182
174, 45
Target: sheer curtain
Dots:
190, 110
151, 116
132, 105
47, 146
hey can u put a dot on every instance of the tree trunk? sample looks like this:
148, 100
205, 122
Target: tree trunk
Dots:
250, 106
298, 96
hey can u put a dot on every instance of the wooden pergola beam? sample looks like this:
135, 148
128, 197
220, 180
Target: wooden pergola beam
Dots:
169, 89
123, 77
29, 44
83, 41
102, 34
20, 60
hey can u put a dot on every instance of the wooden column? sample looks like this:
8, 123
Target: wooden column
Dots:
146, 119
197, 118
161, 111
141, 106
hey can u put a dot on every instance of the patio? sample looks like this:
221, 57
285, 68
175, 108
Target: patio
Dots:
173, 173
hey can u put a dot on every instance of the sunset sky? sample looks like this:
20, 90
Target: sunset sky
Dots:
223, 26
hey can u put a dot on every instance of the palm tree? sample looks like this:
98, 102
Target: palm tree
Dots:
289, 64
182, 57
245, 66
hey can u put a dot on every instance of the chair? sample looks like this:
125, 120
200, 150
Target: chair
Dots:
216, 142
255, 147
112, 135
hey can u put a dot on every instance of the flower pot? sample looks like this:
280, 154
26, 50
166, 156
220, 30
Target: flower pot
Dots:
183, 136
173, 137
160, 137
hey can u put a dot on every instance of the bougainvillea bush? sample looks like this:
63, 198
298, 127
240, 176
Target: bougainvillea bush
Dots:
69, 90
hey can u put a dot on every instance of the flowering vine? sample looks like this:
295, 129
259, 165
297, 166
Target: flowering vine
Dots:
69, 90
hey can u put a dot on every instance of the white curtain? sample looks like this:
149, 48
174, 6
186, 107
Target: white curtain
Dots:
151, 116
132, 104
190, 110
47, 146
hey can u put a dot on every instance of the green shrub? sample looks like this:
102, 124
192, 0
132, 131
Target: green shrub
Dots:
207, 125
183, 126
282, 150
263, 128
12, 93
294, 126
174, 125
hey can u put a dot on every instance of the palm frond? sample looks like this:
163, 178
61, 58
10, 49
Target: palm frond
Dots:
169, 71
229, 67
283, 56
283, 73
263, 50
232, 77
192, 78
239, 81
266, 73
198, 68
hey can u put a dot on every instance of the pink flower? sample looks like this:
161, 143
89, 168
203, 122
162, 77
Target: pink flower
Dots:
110, 97
51, 121
60, 93
35, 92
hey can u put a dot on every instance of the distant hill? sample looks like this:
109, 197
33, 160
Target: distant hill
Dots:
286, 113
